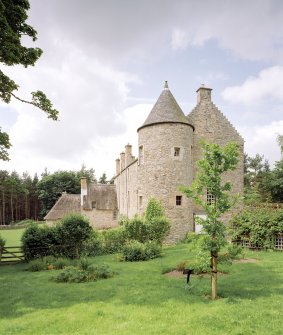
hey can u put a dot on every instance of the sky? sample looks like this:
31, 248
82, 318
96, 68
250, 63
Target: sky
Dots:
104, 64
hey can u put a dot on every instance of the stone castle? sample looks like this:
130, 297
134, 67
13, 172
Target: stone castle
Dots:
168, 149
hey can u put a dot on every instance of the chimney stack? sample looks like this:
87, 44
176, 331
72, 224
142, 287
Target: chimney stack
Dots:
204, 94
128, 158
122, 161
83, 189
117, 166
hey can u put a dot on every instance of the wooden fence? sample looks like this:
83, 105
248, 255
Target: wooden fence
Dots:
245, 242
11, 255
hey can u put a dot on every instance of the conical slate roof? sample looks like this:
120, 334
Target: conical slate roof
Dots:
166, 109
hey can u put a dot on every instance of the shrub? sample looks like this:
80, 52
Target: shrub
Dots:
84, 263
60, 263
113, 240
159, 228
258, 225
38, 241
93, 246
100, 272
73, 274
153, 210
75, 230
137, 251
37, 265
136, 229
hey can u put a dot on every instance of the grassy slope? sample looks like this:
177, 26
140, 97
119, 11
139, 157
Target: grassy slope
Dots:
12, 237
140, 300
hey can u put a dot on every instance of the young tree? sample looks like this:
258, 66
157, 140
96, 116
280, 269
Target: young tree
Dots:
13, 16
216, 161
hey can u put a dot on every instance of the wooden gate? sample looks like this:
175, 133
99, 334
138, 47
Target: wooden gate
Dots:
11, 255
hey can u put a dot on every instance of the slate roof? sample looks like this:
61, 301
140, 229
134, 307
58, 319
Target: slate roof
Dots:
165, 110
65, 205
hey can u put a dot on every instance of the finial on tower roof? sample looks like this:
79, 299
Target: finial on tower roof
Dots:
166, 85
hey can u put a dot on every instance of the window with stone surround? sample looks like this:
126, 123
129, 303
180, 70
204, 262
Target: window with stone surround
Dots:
178, 200
177, 151
210, 198
93, 204
141, 154
140, 201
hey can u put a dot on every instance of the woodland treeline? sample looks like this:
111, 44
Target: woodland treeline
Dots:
31, 197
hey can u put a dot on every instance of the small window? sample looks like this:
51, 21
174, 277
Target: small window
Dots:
141, 154
177, 152
93, 205
178, 200
210, 198
115, 215
140, 201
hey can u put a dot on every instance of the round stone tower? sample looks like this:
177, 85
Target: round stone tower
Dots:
165, 162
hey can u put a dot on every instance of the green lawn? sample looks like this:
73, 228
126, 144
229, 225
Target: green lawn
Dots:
12, 236
140, 300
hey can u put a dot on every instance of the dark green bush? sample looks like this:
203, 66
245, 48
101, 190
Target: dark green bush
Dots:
72, 232
113, 240
93, 246
137, 251
73, 274
136, 229
37, 265
38, 241
159, 228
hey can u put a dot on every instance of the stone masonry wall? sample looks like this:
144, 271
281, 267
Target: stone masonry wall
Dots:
160, 173
127, 192
101, 219
212, 126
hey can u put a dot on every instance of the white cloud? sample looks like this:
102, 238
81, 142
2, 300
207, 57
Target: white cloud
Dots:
262, 140
268, 84
179, 39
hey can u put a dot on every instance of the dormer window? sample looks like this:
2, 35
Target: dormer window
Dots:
177, 151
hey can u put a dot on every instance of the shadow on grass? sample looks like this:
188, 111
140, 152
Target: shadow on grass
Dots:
136, 284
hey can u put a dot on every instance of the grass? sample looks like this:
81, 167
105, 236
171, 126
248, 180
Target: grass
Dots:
140, 300
12, 236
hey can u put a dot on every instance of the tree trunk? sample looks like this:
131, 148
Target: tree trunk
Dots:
214, 256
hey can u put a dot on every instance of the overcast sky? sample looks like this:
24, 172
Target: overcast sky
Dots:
105, 62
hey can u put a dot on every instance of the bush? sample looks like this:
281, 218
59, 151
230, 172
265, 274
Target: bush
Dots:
75, 230
159, 228
73, 274
257, 225
93, 246
153, 210
137, 251
136, 229
113, 240
38, 241
37, 265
